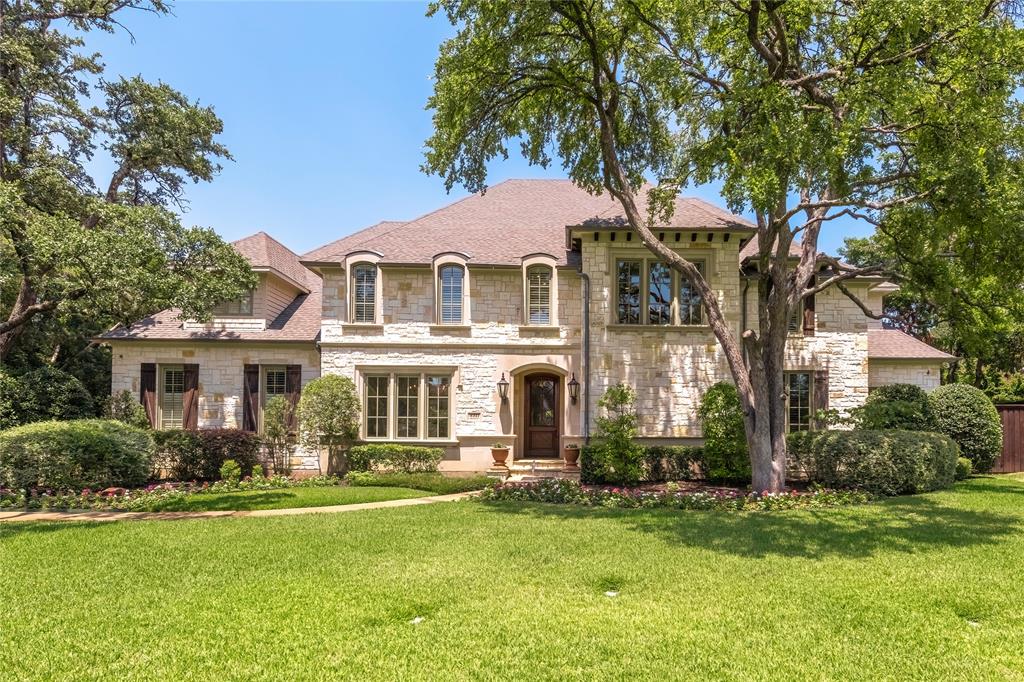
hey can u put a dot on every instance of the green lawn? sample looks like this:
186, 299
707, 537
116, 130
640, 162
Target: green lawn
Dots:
927, 587
285, 498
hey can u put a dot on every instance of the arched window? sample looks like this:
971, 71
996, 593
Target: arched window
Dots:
538, 294
450, 293
364, 293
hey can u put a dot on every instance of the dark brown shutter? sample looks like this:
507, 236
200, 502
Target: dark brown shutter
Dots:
147, 391
292, 388
250, 396
809, 312
190, 399
819, 397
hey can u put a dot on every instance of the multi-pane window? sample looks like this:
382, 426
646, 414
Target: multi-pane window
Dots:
628, 277
364, 293
238, 308
377, 406
172, 397
450, 293
538, 294
407, 410
275, 384
798, 401
419, 405
659, 294
690, 309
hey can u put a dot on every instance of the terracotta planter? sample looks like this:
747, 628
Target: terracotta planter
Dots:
499, 455
571, 456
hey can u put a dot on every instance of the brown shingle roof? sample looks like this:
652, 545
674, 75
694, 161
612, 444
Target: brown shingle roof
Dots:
512, 219
300, 321
892, 344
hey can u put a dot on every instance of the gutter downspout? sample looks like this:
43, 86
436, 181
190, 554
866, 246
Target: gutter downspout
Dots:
586, 355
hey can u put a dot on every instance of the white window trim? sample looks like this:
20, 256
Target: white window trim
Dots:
351, 262
422, 427
704, 258
160, 371
440, 261
263, 390
548, 261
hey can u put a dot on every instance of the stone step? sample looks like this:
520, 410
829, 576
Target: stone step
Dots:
537, 465
543, 476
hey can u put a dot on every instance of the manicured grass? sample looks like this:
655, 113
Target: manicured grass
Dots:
438, 484
284, 498
924, 588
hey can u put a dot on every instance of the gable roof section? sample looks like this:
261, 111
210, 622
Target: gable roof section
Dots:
892, 344
266, 253
512, 219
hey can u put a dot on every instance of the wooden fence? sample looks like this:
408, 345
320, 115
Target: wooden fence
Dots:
1012, 458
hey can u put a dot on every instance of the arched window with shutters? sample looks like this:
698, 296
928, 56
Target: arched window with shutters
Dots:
364, 293
538, 295
450, 285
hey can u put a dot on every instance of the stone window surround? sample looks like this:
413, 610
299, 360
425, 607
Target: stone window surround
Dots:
810, 394
452, 258
392, 371
707, 256
541, 259
353, 260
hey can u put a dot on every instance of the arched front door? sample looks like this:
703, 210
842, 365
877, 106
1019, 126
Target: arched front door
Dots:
542, 414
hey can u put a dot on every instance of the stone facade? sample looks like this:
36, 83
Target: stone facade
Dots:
924, 373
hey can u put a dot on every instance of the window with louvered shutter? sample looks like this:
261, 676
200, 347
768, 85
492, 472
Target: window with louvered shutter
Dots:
172, 397
450, 277
364, 293
538, 294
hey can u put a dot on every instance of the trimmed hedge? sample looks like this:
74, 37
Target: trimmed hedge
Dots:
897, 406
72, 455
383, 457
186, 455
881, 462
660, 463
967, 415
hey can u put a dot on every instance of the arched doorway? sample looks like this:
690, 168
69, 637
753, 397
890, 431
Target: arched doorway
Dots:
542, 416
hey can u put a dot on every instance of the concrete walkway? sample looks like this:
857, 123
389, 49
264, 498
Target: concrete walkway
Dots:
95, 515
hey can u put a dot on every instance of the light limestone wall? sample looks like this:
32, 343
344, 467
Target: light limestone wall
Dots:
220, 373
927, 375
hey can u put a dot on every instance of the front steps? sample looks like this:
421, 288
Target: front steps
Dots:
540, 469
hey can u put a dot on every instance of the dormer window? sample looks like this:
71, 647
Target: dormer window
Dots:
538, 294
241, 307
364, 293
450, 281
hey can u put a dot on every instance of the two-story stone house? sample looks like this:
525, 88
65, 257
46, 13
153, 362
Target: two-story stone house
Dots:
503, 317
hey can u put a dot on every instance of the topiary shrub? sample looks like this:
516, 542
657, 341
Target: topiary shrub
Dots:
968, 416
882, 462
384, 457
896, 406
10, 399
963, 468
614, 456
48, 393
71, 455
725, 442
185, 455
124, 407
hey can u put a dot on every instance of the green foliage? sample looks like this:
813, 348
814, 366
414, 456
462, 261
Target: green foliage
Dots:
10, 399
230, 472
328, 415
48, 393
726, 457
276, 436
391, 457
896, 406
967, 415
614, 456
86, 453
672, 462
881, 462
964, 468
185, 455
435, 483
125, 408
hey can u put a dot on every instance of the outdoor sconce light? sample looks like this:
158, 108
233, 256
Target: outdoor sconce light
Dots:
503, 388
574, 389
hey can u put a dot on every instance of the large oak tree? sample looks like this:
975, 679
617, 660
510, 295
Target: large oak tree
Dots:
805, 110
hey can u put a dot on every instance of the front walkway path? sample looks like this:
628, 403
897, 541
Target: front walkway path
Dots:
96, 515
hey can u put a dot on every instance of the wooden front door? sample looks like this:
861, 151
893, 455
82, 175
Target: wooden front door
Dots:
542, 415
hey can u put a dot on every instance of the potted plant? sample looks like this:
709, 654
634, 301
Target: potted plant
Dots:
499, 451
571, 455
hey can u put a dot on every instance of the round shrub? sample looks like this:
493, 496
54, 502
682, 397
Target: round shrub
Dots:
881, 462
966, 415
48, 393
84, 453
963, 468
725, 441
897, 406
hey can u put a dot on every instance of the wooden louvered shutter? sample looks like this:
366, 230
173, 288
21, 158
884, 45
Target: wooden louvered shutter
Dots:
147, 391
190, 398
250, 397
809, 324
292, 389
819, 397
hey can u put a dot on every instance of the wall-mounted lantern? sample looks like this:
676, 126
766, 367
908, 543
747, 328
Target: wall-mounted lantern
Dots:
503, 388
574, 389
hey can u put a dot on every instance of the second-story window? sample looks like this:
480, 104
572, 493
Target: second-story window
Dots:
450, 294
364, 293
659, 294
690, 309
538, 294
628, 277
668, 298
241, 307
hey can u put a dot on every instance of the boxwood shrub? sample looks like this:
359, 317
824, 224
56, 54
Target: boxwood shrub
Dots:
881, 462
660, 463
198, 455
897, 406
394, 457
967, 415
72, 455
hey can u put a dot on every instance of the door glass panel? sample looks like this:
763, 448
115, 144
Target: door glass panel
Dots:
542, 402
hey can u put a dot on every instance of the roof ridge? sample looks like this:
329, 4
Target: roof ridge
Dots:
396, 224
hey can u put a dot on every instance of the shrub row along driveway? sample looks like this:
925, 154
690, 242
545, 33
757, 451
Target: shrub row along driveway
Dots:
921, 587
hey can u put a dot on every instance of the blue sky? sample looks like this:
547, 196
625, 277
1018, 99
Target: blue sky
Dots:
323, 110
